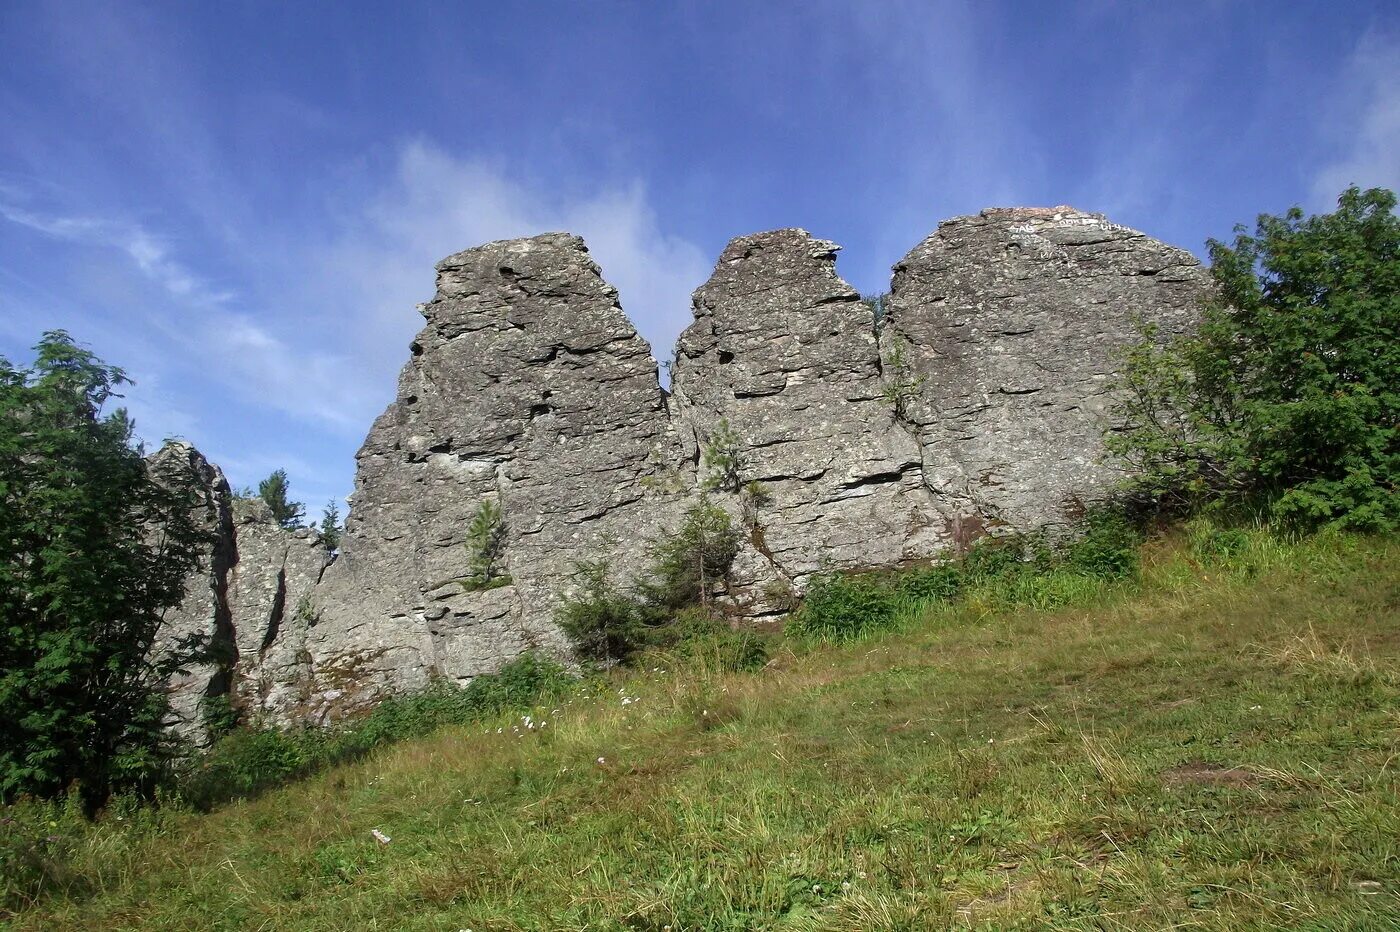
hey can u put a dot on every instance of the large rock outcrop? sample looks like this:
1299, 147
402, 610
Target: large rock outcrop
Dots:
203, 617
247, 603
782, 364
270, 608
528, 388
840, 441
1007, 328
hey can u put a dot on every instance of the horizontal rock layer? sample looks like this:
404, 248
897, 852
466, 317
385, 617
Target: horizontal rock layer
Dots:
838, 441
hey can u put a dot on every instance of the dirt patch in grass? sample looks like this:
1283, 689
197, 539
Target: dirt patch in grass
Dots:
1199, 773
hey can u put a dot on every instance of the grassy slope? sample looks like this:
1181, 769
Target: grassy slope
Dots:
1219, 749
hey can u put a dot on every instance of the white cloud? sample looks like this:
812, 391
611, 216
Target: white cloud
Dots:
436, 205
150, 255
1369, 139
332, 327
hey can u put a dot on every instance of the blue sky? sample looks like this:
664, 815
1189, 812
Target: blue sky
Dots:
241, 203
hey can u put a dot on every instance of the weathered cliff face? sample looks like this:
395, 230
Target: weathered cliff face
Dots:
782, 365
203, 615
248, 601
270, 599
1008, 327
976, 406
528, 388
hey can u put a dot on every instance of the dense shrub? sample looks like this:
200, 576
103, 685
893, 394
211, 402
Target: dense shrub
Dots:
687, 564
93, 549
1028, 570
248, 761
698, 639
604, 623
1289, 393
609, 624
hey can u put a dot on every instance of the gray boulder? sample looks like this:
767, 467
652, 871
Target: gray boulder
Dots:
1005, 330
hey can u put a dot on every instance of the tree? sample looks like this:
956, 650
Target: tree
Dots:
92, 551
605, 625
686, 565
273, 491
330, 526
486, 540
1289, 393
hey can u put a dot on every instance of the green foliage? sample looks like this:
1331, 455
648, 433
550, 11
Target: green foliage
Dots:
753, 497
1209, 747
92, 551
696, 638
609, 624
605, 624
248, 761
1289, 394
1028, 570
688, 564
331, 529
486, 540
879, 306
37, 849
723, 458
273, 491
902, 386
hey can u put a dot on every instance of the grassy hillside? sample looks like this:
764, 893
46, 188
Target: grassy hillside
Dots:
1215, 745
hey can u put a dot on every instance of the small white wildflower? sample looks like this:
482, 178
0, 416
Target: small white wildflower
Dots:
845, 886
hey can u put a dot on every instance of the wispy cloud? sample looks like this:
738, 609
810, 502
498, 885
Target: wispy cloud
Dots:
1369, 134
436, 204
146, 251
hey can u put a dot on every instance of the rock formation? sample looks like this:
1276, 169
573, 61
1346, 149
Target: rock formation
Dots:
1009, 325
975, 406
527, 388
203, 615
248, 601
782, 363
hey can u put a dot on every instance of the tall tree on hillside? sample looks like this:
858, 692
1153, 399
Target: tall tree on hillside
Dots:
92, 551
273, 491
1289, 394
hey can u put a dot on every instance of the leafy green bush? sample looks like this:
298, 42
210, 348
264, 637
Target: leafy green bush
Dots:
687, 564
1289, 393
842, 608
697, 638
1106, 548
1027, 570
609, 624
604, 623
95, 545
248, 761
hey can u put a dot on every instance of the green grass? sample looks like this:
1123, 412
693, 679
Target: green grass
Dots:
1213, 745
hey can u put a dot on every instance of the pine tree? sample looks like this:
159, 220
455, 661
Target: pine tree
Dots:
273, 491
330, 526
